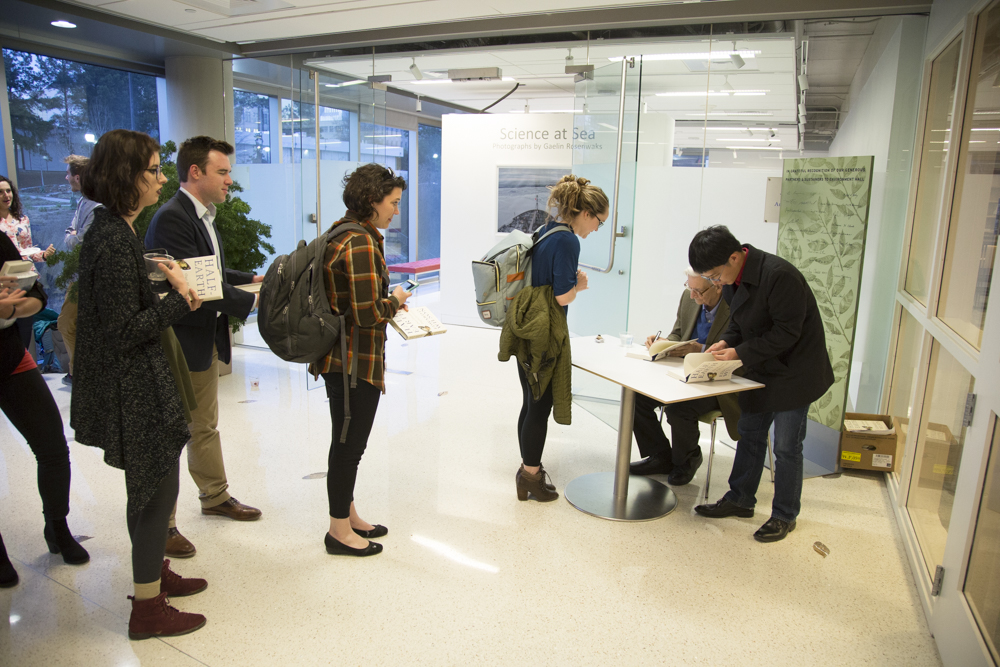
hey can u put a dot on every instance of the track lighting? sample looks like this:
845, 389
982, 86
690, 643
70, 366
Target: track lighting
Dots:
420, 107
735, 57
415, 71
803, 82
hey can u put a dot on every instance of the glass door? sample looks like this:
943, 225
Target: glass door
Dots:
605, 135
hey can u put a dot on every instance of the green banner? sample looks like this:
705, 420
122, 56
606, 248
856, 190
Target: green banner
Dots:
821, 230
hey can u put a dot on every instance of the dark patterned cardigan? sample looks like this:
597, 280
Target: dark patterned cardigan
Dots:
125, 399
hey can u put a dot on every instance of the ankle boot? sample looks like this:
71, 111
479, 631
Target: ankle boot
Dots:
535, 485
547, 481
176, 586
60, 540
155, 618
8, 575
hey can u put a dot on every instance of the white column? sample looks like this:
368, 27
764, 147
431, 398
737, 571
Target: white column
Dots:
199, 98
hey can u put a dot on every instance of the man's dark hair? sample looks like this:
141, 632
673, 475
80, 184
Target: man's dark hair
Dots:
712, 247
15, 200
117, 162
195, 151
367, 186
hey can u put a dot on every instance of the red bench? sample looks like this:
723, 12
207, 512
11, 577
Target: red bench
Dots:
423, 266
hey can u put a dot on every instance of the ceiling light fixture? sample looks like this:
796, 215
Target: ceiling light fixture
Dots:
415, 71
715, 93
345, 84
527, 109
736, 58
63, 24
755, 148
731, 113
803, 82
734, 153
728, 87
802, 110
747, 139
713, 55
420, 107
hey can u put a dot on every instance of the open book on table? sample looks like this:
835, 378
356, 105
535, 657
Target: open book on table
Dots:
658, 350
702, 367
203, 275
417, 323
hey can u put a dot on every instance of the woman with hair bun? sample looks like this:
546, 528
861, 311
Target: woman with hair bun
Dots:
581, 208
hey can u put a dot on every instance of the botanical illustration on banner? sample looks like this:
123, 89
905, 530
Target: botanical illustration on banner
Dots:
823, 222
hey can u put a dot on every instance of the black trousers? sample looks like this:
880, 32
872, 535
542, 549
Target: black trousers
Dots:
533, 422
683, 419
344, 457
147, 529
27, 402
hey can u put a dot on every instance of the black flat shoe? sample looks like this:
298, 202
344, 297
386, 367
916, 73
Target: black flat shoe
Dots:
377, 531
61, 541
337, 548
722, 509
682, 476
8, 575
774, 530
657, 464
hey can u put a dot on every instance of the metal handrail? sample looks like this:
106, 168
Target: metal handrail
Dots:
618, 176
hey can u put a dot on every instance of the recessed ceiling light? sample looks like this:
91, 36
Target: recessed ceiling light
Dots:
63, 24
190, 11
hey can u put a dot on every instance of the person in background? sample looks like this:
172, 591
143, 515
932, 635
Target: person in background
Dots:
776, 330
357, 280
18, 229
84, 215
26, 401
185, 227
132, 387
581, 208
703, 316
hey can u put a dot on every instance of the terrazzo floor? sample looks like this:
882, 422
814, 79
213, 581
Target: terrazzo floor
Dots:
469, 575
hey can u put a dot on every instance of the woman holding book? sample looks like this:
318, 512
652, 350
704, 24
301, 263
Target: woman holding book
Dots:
357, 281
132, 390
581, 209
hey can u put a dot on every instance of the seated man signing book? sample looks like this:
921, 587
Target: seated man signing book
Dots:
702, 315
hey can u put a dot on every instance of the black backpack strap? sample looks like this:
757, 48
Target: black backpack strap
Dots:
344, 373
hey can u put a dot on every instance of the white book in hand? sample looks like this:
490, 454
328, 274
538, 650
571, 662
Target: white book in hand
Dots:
417, 323
702, 367
203, 275
659, 349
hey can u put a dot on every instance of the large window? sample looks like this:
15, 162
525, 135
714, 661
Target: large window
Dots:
58, 108
252, 118
429, 192
298, 132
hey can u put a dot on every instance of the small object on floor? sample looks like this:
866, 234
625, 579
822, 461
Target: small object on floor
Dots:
155, 618
656, 464
335, 547
61, 541
176, 586
315, 475
821, 549
599, 339
234, 510
68, 379
774, 530
442, 393
377, 531
723, 508
179, 546
534, 485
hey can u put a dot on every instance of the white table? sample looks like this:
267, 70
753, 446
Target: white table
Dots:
618, 495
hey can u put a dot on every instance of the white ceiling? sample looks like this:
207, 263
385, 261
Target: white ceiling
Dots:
544, 86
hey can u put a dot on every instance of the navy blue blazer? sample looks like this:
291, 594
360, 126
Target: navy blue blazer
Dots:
777, 331
176, 228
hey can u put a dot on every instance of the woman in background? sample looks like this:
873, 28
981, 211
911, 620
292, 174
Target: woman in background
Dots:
128, 370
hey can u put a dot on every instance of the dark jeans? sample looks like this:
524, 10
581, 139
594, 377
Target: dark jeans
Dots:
344, 457
147, 529
533, 422
29, 405
789, 432
683, 419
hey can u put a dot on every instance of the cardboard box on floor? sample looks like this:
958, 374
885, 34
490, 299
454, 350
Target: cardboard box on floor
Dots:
865, 451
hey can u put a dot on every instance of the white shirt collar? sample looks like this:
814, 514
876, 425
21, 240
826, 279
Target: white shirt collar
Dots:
199, 208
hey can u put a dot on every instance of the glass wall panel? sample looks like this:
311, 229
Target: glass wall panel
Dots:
930, 179
903, 388
429, 192
252, 118
972, 235
58, 108
938, 453
982, 581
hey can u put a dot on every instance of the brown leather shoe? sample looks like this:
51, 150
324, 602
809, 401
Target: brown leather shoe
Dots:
176, 586
178, 546
155, 618
233, 509
534, 485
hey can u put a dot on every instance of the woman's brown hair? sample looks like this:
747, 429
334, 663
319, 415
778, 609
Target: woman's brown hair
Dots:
571, 196
367, 185
116, 164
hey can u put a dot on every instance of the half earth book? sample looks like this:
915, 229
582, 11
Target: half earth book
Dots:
658, 350
702, 367
417, 323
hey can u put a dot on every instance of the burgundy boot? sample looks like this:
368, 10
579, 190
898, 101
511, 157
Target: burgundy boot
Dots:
155, 618
176, 586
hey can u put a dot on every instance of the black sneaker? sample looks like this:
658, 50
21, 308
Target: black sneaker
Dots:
68, 379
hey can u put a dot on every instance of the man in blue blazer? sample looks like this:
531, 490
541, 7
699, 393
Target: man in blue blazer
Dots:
185, 227
776, 330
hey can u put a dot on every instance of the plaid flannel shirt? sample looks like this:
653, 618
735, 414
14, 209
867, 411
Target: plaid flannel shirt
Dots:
357, 282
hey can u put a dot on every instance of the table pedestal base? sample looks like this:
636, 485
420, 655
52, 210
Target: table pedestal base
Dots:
647, 499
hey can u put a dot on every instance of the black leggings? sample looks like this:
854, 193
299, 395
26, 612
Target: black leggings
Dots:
533, 422
28, 404
147, 529
345, 457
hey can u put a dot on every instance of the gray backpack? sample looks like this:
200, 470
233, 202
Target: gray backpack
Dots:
293, 310
503, 272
